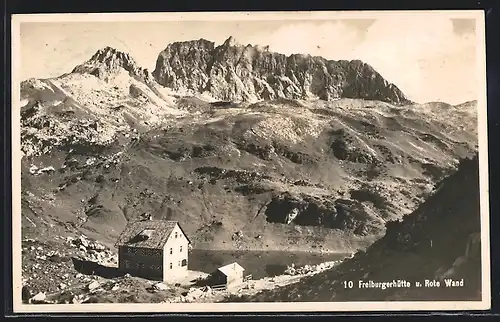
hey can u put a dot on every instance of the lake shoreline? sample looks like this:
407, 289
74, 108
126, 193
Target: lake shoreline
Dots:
331, 252
259, 264
252, 286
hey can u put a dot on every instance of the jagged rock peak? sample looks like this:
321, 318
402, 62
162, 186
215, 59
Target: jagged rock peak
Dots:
199, 44
230, 42
236, 72
107, 52
108, 61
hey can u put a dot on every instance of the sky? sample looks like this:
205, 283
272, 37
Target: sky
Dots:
429, 58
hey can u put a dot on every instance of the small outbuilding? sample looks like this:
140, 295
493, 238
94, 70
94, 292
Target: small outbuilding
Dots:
230, 275
154, 249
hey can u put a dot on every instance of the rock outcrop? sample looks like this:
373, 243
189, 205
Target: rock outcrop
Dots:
343, 214
234, 72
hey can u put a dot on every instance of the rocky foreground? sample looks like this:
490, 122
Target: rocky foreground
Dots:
92, 277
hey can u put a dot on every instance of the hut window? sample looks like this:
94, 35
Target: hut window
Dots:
171, 251
179, 263
180, 249
146, 234
175, 234
170, 265
184, 262
143, 235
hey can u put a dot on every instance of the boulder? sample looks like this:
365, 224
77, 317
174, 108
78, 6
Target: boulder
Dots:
160, 287
40, 297
94, 285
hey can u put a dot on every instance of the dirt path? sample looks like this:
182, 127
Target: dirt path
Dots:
251, 287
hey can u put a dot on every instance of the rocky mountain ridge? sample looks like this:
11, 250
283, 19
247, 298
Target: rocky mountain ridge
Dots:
107, 95
234, 72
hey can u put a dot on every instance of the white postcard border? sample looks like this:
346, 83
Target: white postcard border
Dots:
18, 307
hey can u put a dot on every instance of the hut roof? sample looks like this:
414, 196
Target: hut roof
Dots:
147, 233
230, 269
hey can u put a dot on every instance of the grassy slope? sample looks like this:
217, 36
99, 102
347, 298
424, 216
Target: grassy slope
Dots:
393, 159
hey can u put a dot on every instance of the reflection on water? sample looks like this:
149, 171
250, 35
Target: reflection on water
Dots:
275, 269
258, 263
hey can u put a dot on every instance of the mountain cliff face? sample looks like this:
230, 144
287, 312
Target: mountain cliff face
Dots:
233, 72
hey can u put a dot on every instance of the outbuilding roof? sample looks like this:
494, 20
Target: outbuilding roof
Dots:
230, 269
147, 233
